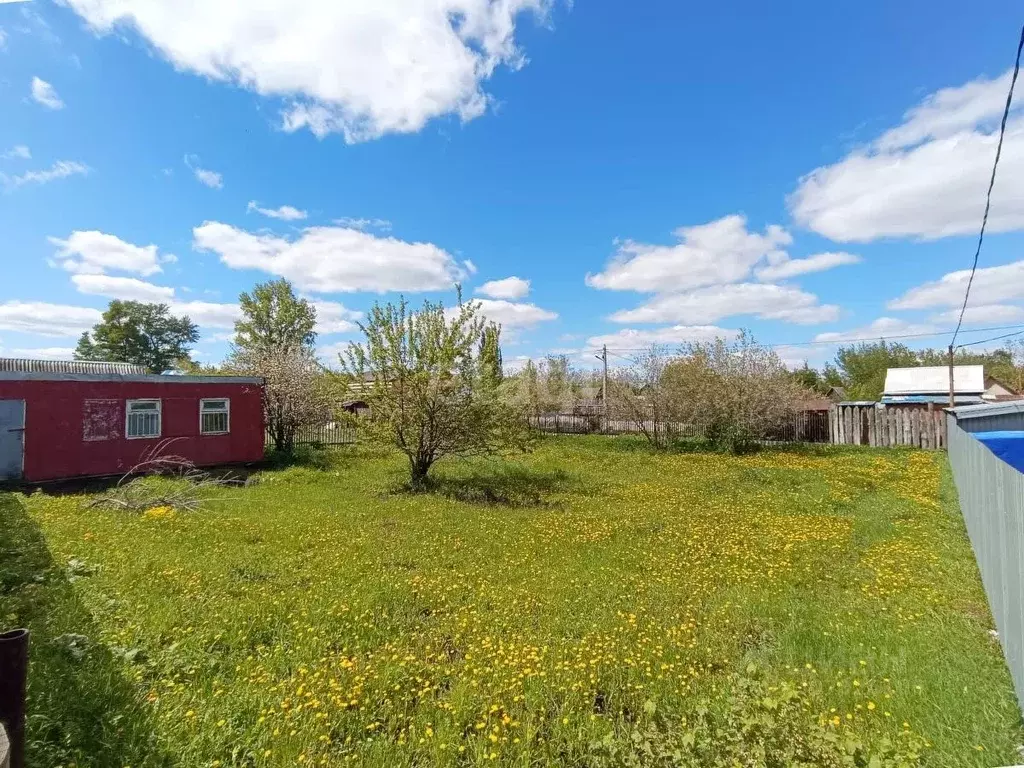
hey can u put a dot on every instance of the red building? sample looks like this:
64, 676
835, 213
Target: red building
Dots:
57, 424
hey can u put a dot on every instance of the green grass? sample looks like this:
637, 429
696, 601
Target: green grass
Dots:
589, 604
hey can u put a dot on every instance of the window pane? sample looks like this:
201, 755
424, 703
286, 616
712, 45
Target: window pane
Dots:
214, 422
215, 405
150, 406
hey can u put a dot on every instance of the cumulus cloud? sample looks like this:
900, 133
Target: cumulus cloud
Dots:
284, 213
361, 69
332, 317
92, 253
207, 314
59, 170
704, 305
722, 251
41, 353
925, 177
992, 285
986, 314
783, 269
514, 315
334, 259
126, 288
508, 288
45, 94
883, 327
46, 319
633, 338
17, 152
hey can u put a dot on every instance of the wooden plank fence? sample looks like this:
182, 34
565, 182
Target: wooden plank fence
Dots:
867, 424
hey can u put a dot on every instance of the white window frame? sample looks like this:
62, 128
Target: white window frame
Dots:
227, 411
159, 418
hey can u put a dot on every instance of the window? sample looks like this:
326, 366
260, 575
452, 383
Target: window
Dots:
142, 419
214, 416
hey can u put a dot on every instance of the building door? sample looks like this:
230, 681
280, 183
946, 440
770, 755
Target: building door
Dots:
12, 439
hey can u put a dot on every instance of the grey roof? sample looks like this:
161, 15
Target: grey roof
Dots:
150, 378
988, 409
68, 366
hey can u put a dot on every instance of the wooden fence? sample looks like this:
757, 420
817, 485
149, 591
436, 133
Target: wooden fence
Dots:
867, 424
331, 433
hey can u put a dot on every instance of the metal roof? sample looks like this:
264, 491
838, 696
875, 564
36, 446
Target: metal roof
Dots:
988, 409
937, 399
68, 366
934, 380
151, 378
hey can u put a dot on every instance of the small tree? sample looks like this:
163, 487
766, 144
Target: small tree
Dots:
296, 389
741, 390
489, 359
637, 393
419, 374
144, 334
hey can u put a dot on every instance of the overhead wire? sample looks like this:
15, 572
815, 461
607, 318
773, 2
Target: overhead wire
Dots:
991, 183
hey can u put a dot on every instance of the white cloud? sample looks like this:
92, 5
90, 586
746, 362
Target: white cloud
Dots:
352, 223
45, 94
334, 259
706, 305
206, 314
41, 353
284, 213
204, 176
882, 328
332, 317
470, 266
925, 177
17, 152
92, 253
634, 339
361, 69
59, 170
46, 319
988, 313
126, 288
992, 285
3, 39
721, 251
514, 315
508, 288
784, 269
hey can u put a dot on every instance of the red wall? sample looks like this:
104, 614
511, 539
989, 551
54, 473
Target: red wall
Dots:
56, 413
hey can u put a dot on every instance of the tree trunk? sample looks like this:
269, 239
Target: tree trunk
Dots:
419, 467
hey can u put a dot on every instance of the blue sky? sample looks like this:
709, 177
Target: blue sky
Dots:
673, 172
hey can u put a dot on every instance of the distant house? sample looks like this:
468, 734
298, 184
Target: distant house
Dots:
924, 385
997, 390
836, 394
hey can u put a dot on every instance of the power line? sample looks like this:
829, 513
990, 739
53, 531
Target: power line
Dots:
848, 339
991, 183
994, 338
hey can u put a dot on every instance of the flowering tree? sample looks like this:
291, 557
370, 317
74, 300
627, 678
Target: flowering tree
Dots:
427, 393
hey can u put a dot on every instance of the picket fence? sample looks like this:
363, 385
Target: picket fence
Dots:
867, 424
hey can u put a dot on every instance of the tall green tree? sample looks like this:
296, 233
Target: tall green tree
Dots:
273, 317
275, 339
419, 374
489, 359
144, 334
863, 366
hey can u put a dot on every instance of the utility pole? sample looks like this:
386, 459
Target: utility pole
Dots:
603, 357
952, 398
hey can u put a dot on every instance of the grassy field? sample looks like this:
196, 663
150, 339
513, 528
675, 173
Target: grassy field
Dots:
590, 604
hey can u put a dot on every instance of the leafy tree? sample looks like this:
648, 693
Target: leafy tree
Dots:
144, 334
273, 317
863, 366
418, 373
740, 389
489, 359
296, 392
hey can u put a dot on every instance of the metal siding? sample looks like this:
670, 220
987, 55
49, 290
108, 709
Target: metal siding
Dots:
55, 415
934, 380
992, 501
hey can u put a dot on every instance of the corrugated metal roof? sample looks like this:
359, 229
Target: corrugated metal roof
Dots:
988, 409
68, 366
934, 380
